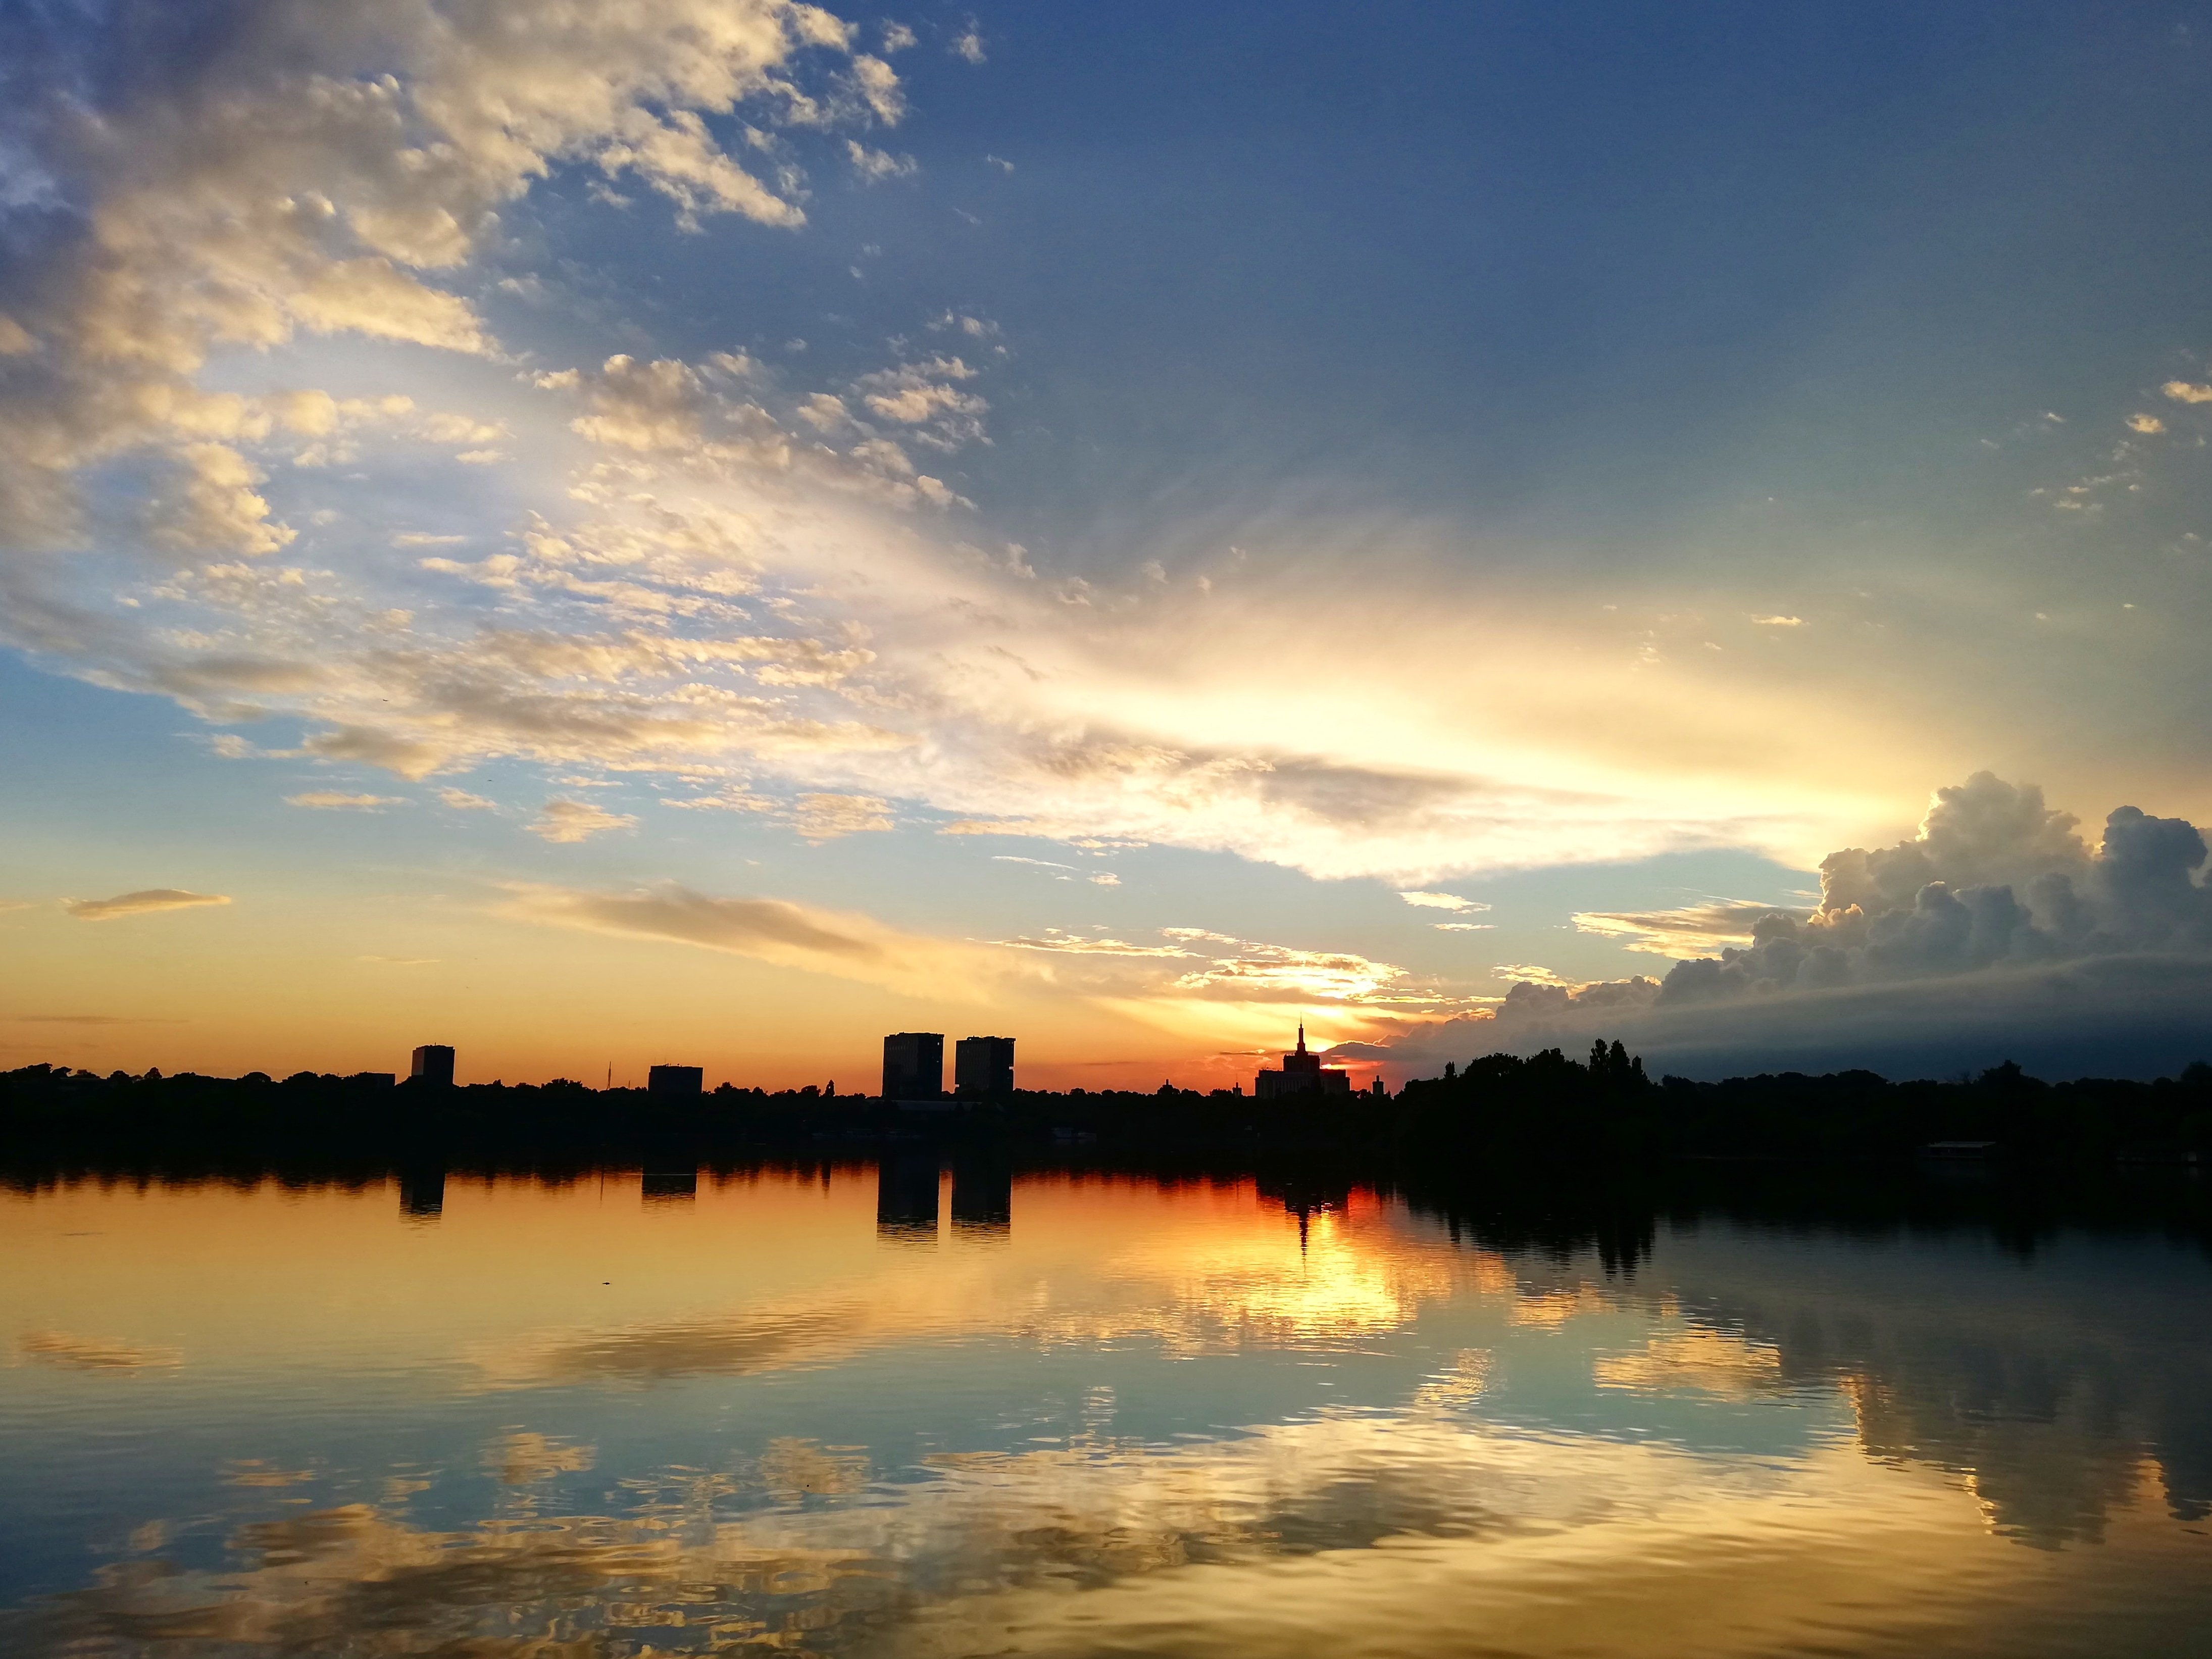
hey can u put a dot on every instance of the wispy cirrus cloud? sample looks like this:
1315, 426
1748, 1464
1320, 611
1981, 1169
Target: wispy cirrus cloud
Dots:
565, 822
338, 800
147, 901
842, 945
1689, 930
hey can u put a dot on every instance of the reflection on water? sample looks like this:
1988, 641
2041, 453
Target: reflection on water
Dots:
943, 1408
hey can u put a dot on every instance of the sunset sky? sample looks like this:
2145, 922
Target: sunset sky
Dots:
709, 531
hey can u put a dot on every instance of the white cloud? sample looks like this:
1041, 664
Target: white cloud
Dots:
565, 822
1444, 902
334, 800
2149, 425
462, 801
1528, 972
825, 816
145, 902
873, 166
313, 180
2184, 391
1692, 930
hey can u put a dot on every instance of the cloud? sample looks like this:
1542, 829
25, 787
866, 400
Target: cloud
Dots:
708, 569
824, 818
2184, 391
1779, 622
1276, 973
969, 46
2149, 425
1443, 901
462, 801
873, 166
308, 180
1054, 938
567, 822
1530, 973
332, 800
1692, 930
144, 902
840, 943
1994, 930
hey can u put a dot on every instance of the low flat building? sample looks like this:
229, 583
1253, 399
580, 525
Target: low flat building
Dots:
1302, 1073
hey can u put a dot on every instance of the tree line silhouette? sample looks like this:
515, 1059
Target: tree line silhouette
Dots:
1500, 1108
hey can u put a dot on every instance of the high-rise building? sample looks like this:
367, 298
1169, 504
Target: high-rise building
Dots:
674, 1082
433, 1066
914, 1066
984, 1067
1302, 1073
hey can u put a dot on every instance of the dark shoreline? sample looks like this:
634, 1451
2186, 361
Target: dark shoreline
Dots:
1545, 1111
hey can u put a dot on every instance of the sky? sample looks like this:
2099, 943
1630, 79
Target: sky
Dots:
709, 531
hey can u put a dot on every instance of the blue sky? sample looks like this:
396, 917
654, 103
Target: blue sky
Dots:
1058, 516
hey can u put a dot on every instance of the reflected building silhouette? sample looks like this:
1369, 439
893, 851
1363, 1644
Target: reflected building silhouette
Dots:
669, 1186
982, 1195
422, 1194
906, 1196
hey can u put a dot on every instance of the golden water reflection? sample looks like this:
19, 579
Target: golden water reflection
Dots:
1754, 1443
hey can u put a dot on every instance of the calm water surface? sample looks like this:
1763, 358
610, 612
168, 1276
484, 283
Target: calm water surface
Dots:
827, 1414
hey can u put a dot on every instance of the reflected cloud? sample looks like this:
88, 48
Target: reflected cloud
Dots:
1213, 1294
88, 1353
522, 1457
1513, 1543
1693, 1361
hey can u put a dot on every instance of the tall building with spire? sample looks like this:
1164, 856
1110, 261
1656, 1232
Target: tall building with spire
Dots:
1302, 1073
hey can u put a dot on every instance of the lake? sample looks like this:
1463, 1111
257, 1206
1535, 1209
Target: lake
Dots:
941, 1411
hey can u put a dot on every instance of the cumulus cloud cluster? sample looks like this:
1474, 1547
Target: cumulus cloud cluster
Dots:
1994, 877
1998, 922
306, 178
